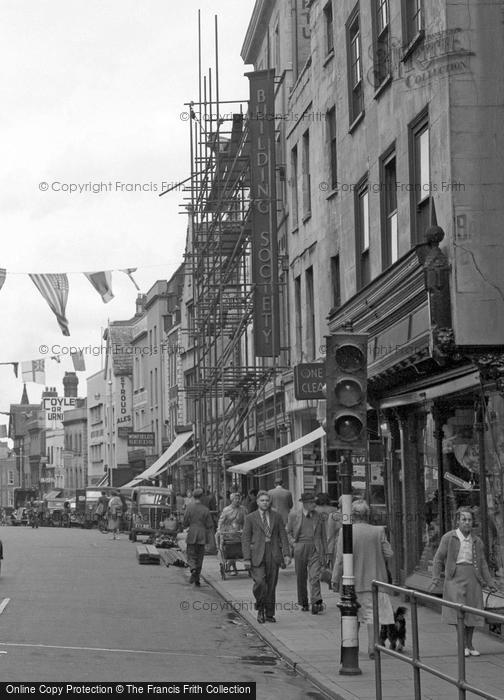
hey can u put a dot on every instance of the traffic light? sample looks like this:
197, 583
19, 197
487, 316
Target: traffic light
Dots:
346, 379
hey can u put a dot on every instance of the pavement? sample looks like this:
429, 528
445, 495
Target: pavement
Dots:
311, 644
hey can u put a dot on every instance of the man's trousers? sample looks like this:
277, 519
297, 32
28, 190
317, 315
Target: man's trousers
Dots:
308, 568
195, 554
265, 580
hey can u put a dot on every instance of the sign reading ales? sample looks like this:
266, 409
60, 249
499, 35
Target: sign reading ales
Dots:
264, 215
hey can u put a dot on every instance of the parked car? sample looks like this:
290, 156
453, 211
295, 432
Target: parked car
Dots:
19, 516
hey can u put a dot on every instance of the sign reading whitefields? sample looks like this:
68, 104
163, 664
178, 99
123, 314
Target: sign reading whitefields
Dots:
264, 215
141, 439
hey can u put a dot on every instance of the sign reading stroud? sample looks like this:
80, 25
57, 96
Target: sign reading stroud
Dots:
264, 215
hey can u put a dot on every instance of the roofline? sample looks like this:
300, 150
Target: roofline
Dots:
261, 7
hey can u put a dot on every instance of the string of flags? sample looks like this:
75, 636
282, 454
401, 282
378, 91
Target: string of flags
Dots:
54, 287
34, 370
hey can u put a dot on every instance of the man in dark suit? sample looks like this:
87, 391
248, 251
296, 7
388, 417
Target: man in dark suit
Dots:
281, 499
199, 521
307, 535
265, 548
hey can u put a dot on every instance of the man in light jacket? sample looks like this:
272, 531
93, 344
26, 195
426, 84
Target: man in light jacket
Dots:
371, 551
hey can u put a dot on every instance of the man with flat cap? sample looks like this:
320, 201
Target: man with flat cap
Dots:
281, 499
307, 535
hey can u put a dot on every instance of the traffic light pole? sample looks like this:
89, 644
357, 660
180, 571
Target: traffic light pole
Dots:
348, 604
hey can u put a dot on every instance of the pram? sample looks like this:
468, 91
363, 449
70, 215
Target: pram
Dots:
229, 552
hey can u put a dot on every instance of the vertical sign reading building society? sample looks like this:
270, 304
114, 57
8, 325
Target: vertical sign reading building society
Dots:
264, 215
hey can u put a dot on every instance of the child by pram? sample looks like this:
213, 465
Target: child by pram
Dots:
228, 535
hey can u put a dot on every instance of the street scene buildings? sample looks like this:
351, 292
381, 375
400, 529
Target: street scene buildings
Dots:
359, 189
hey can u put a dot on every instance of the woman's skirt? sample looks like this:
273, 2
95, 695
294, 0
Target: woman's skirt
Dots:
113, 523
463, 588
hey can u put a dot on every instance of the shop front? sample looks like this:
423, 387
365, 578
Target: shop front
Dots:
436, 422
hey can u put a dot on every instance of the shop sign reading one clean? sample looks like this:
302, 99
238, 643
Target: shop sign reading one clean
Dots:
309, 380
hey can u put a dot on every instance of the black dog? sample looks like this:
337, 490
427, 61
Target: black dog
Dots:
396, 633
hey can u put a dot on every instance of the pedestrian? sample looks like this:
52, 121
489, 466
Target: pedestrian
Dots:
188, 499
101, 507
371, 551
250, 502
460, 556
115, 509
230, 526
265, 549
332, 519
199, 521
307, 536
281, 499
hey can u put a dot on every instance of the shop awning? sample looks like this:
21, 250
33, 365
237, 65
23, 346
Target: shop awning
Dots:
103, 481
453, 386
52, 495
162, 462
248, 467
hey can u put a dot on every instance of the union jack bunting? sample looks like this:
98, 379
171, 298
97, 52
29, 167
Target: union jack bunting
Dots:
54, 289
33, 371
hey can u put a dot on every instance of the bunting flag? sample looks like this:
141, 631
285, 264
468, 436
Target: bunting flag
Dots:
33, 371
14, 366
129, 271
3, 431
78, 361
56, 358
3, 274
54, 289
102, 282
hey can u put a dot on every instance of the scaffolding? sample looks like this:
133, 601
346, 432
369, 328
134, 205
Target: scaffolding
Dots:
228, 383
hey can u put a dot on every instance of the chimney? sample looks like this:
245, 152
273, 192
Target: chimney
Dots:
70, 384
48, 392
140, 304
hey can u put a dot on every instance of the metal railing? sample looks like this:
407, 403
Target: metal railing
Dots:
414, 659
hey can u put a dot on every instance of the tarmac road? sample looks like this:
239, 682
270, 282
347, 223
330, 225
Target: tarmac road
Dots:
76, 606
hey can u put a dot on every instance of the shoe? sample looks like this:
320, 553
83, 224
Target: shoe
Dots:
317, 607
467, 652
192, 578
197, 582
261, 616
305, 608
270, 618
474, 652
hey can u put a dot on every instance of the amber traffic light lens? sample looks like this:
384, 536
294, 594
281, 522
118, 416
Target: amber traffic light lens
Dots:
350, 358
349, 393
348, 428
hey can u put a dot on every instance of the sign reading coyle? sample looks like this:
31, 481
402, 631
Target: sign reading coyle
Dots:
264, 216
55, 406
